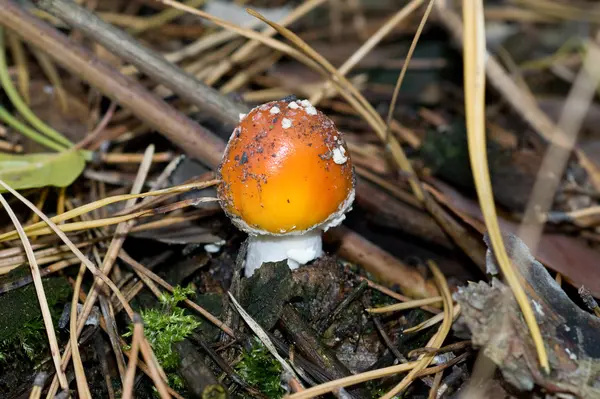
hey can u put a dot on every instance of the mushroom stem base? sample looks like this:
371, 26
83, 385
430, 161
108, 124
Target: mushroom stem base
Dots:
297, 249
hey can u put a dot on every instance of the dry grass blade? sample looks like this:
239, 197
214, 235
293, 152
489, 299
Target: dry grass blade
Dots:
110, 257
244, 52
249, 33
474, 78
107, 201
20, 59
368, 46
91, 267
356, 99
39, 289
433, 392
162, 18
83, 389
431, 321
411, 50
586, 217
318, 63
94, 224
437, 340
138, 336
406, 305
395, 295
262, 335
352, 380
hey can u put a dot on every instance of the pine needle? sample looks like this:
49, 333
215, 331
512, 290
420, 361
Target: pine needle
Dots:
406, 305
183, 188
83, 389
411, 50
41, 294
474, 77
437, 340
138, 336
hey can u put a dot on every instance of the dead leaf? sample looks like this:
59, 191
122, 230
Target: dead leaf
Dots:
570, 334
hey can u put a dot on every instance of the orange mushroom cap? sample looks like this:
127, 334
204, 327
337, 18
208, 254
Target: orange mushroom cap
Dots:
286, 170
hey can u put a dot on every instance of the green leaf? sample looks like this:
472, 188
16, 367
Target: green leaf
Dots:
40, 170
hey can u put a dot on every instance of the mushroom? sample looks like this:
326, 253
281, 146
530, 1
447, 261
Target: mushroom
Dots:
286, 177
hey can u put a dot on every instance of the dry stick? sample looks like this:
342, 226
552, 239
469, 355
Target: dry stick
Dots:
360, 251
580, 96
38, 385
146, 60
185, 133
159, 157
39, 289
83, 389
156, 372
138, 336
367, 46
113, 334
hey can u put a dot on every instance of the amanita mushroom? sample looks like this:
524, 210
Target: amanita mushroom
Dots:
286, 177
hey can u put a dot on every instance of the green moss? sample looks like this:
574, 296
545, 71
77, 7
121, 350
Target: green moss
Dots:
20, 307
261, 370
165, 326
22, 332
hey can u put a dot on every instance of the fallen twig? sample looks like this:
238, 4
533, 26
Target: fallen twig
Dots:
184, 132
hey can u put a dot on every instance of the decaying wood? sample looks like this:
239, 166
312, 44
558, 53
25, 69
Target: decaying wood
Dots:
360, 251
398, 215
570, 333
307, 343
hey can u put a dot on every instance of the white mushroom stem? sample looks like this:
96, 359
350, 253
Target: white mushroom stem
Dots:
297, 249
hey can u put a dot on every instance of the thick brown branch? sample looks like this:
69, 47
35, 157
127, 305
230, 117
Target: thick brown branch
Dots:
194, 139
149, 62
